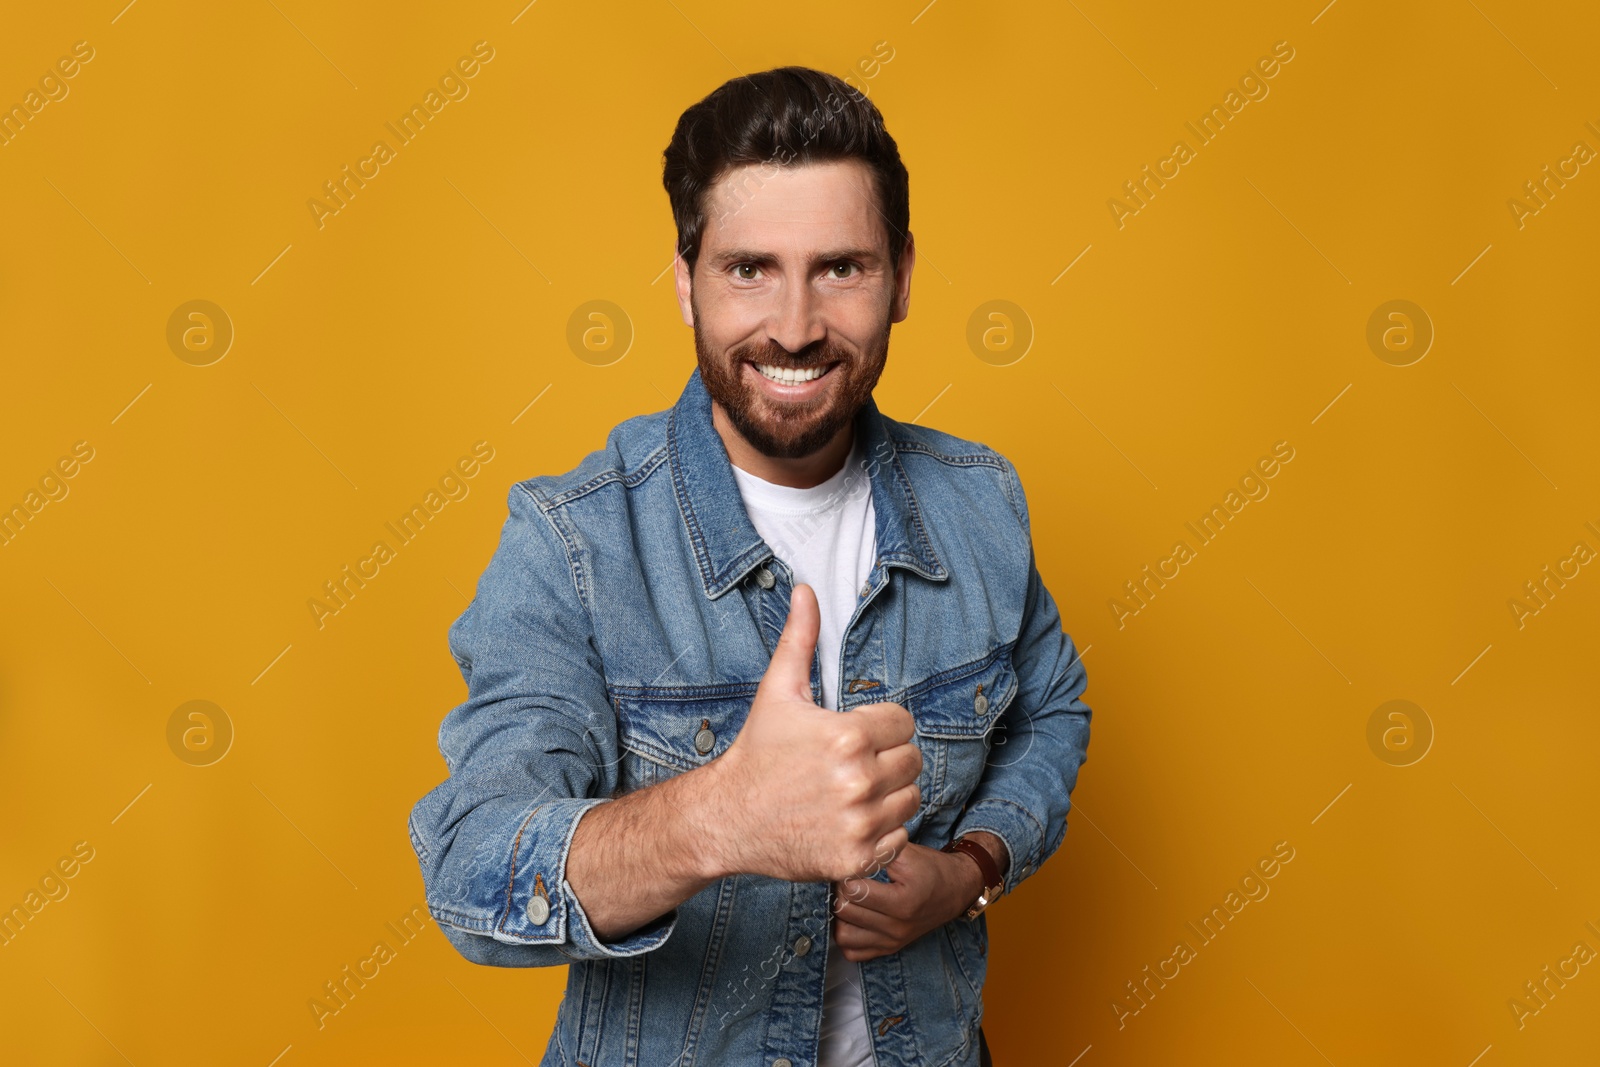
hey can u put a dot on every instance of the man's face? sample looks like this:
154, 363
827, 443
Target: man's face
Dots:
792, 299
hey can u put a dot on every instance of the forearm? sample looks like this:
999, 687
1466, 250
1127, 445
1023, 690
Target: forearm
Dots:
1024, 799
639, 856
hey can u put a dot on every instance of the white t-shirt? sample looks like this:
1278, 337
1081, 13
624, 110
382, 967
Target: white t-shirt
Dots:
826, 535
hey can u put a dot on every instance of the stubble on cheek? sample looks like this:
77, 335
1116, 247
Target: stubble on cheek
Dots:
787, 430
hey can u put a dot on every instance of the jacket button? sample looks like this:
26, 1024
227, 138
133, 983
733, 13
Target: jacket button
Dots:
782, 1062
765, 579
704, 740
538, 910
980, 704
802, 945
866, 589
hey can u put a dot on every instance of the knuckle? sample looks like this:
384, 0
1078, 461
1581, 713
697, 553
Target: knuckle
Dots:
853, 785
850, 740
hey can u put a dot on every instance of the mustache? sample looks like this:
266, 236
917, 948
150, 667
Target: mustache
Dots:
775, 355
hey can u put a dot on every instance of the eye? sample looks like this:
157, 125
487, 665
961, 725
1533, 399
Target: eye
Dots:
737, 267
848, 265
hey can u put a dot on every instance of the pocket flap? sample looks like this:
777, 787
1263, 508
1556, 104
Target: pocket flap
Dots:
965, 701
682, 727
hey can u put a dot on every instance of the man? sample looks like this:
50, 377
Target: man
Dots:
766, 699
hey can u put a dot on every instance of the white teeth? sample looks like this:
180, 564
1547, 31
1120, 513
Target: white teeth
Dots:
784, 374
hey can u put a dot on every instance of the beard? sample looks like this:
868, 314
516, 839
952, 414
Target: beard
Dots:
790, 429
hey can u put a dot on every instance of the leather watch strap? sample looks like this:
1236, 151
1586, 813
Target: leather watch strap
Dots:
992, 884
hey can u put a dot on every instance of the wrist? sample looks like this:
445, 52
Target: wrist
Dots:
996, 848
981, 859
968, 883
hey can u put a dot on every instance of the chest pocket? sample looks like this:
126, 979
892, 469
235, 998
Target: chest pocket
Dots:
956, 713
668, 729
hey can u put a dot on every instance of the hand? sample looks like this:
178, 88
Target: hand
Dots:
927, 888
807, 794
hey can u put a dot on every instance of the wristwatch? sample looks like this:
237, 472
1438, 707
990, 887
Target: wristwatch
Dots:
993, 884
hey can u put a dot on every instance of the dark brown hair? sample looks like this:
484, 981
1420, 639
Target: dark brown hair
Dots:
782, 117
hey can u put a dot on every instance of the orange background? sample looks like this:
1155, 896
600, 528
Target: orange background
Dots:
1230, 313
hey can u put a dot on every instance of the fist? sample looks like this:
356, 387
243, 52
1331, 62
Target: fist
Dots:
811, 794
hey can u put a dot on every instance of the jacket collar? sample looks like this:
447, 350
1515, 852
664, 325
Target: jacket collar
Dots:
726, 544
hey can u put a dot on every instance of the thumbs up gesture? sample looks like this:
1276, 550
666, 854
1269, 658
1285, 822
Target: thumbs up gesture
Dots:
807, 794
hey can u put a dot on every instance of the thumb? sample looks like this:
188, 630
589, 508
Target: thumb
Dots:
788, 676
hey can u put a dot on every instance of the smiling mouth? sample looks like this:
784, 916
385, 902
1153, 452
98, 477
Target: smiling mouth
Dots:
791, 375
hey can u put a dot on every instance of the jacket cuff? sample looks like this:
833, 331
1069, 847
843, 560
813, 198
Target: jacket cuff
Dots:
540, 906
1012, 824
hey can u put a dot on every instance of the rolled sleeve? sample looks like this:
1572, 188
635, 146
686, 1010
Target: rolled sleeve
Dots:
1024, 801
588, 945
532, 748
541, 907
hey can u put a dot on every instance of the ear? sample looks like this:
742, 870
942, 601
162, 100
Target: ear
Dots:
901, 304
682, 280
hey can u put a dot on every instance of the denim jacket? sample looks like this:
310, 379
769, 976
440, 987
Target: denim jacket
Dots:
617, 638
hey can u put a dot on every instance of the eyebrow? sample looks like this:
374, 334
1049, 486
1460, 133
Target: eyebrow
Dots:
750, 255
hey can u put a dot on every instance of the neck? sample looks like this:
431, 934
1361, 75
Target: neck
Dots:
801, 473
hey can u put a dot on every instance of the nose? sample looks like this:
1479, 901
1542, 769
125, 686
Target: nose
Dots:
796, 319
